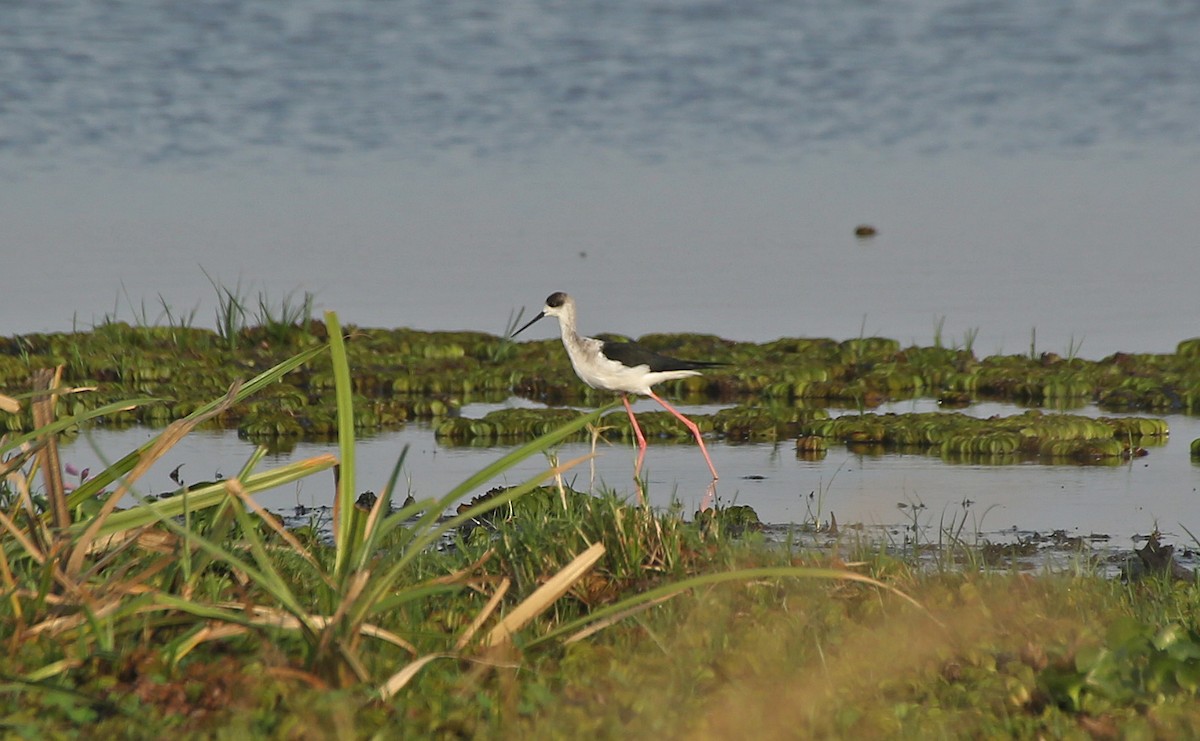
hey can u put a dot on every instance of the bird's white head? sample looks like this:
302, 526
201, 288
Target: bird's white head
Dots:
558, 305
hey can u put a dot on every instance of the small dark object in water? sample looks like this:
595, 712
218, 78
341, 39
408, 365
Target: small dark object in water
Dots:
366, 501
184, 488
998, 552
1156, 558
863, 231
755, 477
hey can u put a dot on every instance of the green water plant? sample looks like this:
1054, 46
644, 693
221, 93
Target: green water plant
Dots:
402, 375
231, 311
939, 322
505, 348
279, 321
1031, 435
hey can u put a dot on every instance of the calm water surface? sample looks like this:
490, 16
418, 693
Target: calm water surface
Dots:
883, 493
1031, 167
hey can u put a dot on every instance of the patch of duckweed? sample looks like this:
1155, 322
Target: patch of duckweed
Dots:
503, 425
1033, 434
400, 375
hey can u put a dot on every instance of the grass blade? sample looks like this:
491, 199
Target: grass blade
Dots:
343, 508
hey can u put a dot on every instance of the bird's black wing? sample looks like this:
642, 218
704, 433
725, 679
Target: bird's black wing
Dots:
632, 354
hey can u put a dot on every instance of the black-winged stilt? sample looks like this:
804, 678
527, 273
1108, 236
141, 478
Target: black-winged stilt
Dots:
624, 367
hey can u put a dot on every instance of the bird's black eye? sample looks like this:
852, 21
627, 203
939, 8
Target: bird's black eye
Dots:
556, 299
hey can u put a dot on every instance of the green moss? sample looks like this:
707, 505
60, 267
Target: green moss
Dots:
1189, 348
406, 374
1031, 434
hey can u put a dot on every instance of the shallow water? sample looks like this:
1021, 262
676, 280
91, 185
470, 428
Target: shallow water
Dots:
1031, 169
879, 492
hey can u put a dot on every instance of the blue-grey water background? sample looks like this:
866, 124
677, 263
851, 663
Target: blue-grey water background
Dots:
1032, 169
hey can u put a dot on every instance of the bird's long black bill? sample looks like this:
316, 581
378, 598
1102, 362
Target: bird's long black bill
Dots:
527, 325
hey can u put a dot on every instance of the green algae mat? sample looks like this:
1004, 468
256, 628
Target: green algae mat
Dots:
768, 391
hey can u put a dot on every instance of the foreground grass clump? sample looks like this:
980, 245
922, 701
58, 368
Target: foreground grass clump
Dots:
996, 655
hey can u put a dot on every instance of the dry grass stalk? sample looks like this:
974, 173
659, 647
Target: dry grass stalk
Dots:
45, 381
545, 596
9, 404
397, 681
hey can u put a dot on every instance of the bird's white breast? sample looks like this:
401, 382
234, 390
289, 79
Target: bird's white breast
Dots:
600, 372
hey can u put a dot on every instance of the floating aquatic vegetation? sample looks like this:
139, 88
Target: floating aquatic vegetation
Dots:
763, 423
733, 520
811, 447
1031, 434
1189, 348
400, 375
505, 425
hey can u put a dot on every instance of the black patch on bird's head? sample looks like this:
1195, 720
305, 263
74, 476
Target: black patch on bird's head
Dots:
556, 299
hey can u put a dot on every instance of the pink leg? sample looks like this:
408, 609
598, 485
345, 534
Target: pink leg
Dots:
690, 425
641, 439
637, 431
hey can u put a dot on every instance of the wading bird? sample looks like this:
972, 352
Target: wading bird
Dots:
624, 367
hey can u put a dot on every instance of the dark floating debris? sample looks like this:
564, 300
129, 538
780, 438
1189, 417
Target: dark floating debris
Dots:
864, 231
366, 501
1154, 558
